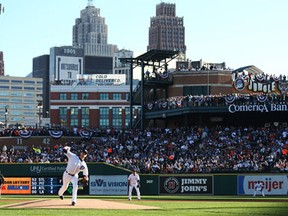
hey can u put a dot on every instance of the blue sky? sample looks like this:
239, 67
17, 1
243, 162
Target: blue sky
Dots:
238, 32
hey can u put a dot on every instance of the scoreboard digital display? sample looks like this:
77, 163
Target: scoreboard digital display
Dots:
36, 186
45, 185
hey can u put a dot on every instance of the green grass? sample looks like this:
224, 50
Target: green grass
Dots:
168, 205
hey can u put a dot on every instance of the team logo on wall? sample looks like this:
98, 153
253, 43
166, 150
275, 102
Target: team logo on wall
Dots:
171, 185
283, 86
239, 84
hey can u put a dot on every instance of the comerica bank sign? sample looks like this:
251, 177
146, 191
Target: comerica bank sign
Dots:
233, 108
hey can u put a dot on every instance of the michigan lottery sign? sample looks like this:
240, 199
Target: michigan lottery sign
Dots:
273, 184
17, 186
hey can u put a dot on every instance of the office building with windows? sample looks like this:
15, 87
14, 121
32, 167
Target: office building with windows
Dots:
1, 64
41, 70
20, 98
92, 101
91, 33
167, 31
120, 67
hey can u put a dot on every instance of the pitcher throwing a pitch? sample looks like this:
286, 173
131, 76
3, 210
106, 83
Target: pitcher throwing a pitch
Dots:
75, 165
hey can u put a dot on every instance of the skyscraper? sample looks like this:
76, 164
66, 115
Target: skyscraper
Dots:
1, 64
167, 31
91, 33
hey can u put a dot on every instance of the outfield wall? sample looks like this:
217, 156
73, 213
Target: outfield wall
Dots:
106, 179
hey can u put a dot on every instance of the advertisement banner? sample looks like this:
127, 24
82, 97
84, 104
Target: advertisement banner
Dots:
108, 185
16, 186
101, 79
186, 184
67, 67
273, 184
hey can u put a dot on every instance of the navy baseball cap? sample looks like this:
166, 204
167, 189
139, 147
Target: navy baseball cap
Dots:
84, 151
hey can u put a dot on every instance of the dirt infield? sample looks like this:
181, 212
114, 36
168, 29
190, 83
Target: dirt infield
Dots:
81, 203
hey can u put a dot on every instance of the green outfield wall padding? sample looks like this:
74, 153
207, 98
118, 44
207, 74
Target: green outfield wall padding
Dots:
149, 184
225, 184
56, 169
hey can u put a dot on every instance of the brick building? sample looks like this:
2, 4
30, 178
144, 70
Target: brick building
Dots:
91, 103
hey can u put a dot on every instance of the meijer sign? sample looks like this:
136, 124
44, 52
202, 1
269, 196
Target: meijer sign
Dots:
273, 184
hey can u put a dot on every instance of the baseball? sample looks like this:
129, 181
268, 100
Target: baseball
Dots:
67, 148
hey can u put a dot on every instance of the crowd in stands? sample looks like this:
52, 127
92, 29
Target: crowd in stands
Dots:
180, 150
216, 100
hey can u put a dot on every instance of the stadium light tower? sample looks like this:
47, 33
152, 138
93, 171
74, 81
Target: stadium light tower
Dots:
6, 113
39, 106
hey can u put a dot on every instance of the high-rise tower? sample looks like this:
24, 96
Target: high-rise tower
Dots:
167, 31
91, 33
1, 64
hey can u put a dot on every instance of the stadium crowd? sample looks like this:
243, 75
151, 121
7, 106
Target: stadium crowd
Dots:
180, 150
216, 100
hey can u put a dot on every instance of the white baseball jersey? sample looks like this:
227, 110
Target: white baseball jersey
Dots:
75, 164
134, 179
258, 186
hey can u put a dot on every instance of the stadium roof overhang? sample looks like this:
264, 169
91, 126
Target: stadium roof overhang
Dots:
251, 69
152, 58
158, 55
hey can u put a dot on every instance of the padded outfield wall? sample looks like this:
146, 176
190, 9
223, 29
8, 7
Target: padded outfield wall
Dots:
110, 180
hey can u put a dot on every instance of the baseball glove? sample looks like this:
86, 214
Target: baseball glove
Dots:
138, 185
83, 181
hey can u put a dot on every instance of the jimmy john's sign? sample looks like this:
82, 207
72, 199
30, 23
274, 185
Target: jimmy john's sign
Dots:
186, 185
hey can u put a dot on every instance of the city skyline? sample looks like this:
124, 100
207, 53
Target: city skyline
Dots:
239, 32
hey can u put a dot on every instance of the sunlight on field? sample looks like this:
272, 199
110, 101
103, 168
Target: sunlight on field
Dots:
167, 206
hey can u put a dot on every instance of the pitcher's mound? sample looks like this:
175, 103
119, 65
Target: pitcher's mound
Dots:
81, 203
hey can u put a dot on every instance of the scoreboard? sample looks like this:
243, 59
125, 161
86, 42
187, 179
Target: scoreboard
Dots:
36, 186
46, 185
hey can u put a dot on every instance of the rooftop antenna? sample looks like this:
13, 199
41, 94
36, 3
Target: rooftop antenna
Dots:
90, 2
1, 8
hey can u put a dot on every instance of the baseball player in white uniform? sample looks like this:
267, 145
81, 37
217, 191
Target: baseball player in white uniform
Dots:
259, 187
75, 165
134, 182
2, 181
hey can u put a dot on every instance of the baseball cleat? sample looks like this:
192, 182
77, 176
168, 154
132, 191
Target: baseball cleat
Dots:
61, 197
73, 203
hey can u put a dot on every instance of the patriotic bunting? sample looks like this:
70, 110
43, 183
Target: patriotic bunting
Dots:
56, 134
230, 98
25, 134
164, 75
85, 134
275, 78
260, 77
150, 106
261, 98
164, 104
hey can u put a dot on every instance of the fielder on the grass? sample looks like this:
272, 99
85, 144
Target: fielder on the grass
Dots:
259, 186
134, 182
75, 165
2, 181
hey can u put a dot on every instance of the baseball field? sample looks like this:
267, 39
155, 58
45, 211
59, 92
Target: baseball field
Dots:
149, 205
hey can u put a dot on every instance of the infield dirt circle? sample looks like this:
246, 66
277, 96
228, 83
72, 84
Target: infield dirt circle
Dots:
81, 203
